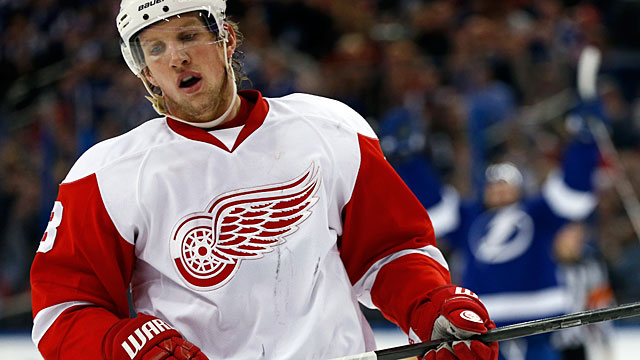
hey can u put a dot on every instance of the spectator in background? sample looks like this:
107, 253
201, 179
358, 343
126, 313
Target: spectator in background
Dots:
583, 272
19, 192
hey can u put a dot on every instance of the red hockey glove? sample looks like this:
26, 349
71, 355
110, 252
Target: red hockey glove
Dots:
147, 338
453, 312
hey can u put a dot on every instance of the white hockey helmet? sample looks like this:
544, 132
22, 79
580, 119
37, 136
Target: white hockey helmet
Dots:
506, 172
136, 15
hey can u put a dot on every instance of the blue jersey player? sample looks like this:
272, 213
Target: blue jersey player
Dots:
506, 240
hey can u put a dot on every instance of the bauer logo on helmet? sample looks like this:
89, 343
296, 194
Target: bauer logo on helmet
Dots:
149, 3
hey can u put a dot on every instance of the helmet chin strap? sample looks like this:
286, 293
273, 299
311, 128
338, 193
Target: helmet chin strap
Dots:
160, 106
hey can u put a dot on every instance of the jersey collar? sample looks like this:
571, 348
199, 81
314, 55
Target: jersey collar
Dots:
253, 122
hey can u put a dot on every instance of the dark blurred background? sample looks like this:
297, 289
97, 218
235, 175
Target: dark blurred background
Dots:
455, 81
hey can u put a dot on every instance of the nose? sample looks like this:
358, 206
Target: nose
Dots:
178, 58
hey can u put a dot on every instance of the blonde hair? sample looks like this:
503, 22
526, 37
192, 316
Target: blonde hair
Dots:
236, 58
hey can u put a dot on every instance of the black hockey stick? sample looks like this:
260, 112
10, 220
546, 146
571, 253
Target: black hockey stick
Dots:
509, 332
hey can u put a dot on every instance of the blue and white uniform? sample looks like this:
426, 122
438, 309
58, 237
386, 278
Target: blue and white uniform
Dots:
507, 251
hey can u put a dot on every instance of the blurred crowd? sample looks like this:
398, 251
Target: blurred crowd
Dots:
460, 82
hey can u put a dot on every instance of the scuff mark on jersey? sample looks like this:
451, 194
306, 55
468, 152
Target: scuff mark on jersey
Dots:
315, 272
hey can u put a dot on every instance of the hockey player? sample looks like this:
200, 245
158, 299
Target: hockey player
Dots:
506, 241
244, 227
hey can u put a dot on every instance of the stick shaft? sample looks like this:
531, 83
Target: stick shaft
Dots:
587, 79
561, 322
509, 332
618, 175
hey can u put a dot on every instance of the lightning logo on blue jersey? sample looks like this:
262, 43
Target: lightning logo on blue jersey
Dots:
501, 236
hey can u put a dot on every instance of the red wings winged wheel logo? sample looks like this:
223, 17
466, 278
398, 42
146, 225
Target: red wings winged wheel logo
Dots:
207, 247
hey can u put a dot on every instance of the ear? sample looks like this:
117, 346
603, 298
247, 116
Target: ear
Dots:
147, 73
231, 40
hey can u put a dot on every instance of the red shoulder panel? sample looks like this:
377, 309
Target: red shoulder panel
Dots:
86, 261
382, 218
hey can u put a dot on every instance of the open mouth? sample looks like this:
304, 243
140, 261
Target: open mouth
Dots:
189, 81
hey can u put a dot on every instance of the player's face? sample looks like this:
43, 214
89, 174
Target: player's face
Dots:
500, 193
568, 245
187, 62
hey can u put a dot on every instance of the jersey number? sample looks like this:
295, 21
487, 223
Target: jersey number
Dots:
49, 236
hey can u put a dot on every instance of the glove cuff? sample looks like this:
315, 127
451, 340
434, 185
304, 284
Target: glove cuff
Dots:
460, 306
130, 339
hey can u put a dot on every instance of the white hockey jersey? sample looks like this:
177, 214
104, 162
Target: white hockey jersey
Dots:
253, 242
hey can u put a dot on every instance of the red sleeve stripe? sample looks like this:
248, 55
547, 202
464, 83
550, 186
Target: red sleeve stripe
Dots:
363, 286
47, 316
